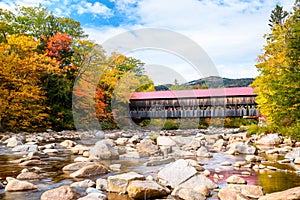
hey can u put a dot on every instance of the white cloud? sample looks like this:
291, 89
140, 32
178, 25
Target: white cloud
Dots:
230, 31
95, 8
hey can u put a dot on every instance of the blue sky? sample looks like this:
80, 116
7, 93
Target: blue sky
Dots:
230, 31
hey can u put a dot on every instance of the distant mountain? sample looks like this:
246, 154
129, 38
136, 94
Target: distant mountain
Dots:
209, 82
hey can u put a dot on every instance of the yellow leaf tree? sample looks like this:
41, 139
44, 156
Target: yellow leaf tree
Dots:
278, 85
22, 99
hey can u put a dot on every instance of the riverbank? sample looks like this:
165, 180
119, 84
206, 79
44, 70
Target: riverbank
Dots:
187, 164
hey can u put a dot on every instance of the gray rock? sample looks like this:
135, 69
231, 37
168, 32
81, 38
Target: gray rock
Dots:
176, 173
112, 136
194, 145
188, 194
235, 179
15, 185
115, 167
253, 158
13, 141
83, 184
160, 162
182, 140
235, 191
147, 146
90, 170
295, 153
79, 149
94, 196
270, 140
134, 139
68, 143
297, 161
93, 190
121, 141
101, 184
165, 141
76, 166
219, 144
241, 148
26, 148
61, 193
104, 150
119, 183
203, 152
198, 180
146, 190
182, 154
100, 135
28, 176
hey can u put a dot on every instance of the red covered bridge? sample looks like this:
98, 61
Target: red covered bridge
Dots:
204, 103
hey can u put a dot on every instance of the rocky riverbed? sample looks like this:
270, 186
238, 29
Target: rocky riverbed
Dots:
182, 164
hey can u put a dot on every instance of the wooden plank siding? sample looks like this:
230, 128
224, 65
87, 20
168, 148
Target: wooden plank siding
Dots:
237, 105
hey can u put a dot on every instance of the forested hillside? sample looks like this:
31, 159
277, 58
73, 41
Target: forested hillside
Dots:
212, 81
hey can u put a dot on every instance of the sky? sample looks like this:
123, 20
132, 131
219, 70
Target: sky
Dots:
230, 32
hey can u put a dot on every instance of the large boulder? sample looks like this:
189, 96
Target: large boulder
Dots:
15, 185
118, 183
26, 148
197, 181
90, 170
13, 141
104, 150
146, 190
61, 193
147, 146
241, 148
270, 140
290, 194
236, 191
188, 194
176, 173
165, 141
292, 155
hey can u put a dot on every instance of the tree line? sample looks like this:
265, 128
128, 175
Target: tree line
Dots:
40, 57
278, 85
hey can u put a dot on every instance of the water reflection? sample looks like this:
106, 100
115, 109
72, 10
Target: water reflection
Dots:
278, 181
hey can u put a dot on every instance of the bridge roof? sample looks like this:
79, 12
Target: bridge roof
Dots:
175, 94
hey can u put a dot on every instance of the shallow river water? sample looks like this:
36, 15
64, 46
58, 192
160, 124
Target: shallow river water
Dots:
53, 176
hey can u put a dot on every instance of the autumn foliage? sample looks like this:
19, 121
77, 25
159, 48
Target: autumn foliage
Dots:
42, 57
22, 98
278, 84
